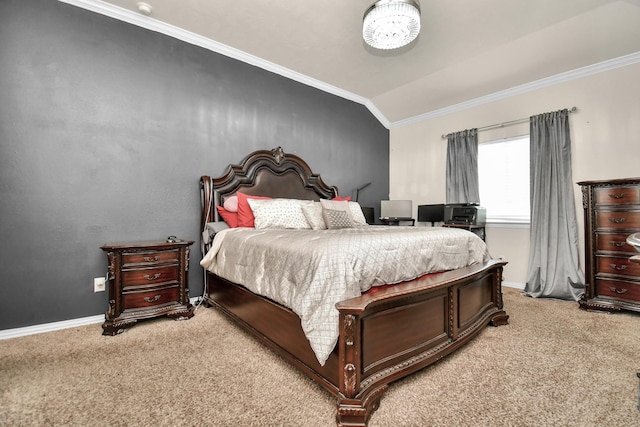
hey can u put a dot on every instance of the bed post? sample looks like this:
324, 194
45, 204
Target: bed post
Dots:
501, 318
355, 406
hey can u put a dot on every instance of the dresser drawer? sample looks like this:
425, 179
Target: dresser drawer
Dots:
151, 298
148, 276
618, 220
151, 257
618, 265
613, 242
617, 195
618, 289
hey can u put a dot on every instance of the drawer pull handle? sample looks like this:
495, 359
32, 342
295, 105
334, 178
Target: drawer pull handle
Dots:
618, 291
617, 196
154, 299
149, 259
618, 221
154, 277
618, 267
617, 244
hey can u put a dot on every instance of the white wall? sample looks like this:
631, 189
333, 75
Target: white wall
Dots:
605, 134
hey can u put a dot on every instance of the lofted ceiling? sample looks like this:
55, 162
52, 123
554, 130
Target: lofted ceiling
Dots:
468, 50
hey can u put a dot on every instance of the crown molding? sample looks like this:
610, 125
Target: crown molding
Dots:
599, 67
152, 24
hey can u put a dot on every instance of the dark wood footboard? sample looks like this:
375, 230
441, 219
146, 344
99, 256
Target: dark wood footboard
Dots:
384, 336
388, 335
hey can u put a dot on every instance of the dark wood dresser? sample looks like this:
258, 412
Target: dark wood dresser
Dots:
611, 214
146, 279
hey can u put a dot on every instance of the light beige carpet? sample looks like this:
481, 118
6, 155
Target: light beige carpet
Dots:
553, 365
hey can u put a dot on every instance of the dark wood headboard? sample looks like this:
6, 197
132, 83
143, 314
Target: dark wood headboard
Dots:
271, 173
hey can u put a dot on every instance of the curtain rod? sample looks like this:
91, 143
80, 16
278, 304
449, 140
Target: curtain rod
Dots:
512, 122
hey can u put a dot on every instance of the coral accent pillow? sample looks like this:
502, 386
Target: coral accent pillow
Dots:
231, 218
245, 214
338, 198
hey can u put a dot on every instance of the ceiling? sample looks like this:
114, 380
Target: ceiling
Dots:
467, 49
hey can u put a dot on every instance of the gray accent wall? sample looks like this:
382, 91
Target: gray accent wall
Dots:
105, 130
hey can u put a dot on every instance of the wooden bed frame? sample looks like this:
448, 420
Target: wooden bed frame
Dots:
384, 336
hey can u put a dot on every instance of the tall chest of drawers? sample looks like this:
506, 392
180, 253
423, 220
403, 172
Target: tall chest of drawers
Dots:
611, 214
146, 279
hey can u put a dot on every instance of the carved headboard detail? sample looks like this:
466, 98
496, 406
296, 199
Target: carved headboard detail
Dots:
271, 173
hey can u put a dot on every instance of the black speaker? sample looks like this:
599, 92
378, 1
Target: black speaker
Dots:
368, 215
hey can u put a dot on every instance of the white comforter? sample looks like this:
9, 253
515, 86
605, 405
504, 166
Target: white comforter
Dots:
309, 271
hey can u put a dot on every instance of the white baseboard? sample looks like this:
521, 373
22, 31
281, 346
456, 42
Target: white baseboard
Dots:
56, 326
49, 327
513, 285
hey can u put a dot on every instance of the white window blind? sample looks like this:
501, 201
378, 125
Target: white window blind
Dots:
503, 174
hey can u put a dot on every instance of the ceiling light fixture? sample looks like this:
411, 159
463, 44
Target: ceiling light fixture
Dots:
390, 24
144, 8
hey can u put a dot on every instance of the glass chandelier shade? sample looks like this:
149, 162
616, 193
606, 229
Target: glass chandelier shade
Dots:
390, 24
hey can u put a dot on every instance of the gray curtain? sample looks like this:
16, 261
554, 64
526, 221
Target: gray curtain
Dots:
462, 167
554, 265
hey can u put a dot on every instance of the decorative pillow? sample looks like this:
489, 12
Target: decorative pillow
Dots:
356, 214
313, 213
336, 219
338, 198
231, 218
231, 204
245, 214
279, 213
339, 205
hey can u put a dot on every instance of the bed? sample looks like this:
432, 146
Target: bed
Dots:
383, 334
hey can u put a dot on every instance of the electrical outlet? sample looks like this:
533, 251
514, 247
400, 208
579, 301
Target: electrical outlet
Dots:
98, 284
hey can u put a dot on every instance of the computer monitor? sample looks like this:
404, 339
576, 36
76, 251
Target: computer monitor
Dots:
393, 209
431, 213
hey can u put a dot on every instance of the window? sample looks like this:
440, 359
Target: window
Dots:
503, 174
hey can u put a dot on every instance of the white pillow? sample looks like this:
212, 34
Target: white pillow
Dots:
279, 213
313, 213
356, 214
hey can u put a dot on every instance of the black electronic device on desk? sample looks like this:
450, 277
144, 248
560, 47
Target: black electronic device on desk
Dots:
468, 216
465, 213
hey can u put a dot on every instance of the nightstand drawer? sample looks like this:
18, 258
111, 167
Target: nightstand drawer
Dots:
617, 265
145, 258
617, 195
150, 298
618, 289
613, 242
148, 276
618, 220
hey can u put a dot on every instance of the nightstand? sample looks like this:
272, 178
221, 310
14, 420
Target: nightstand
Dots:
146, 279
